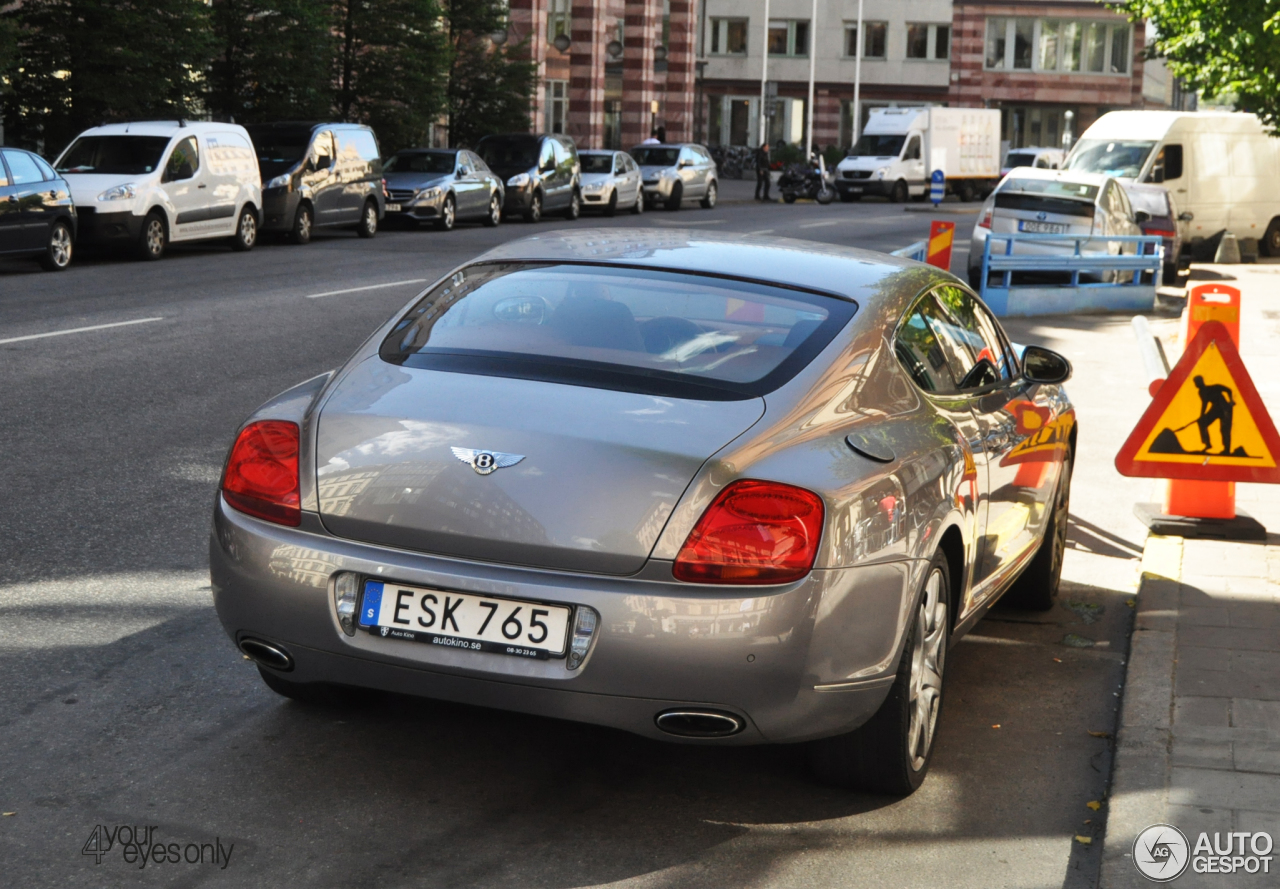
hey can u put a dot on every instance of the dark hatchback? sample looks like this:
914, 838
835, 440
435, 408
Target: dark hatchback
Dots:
37, 216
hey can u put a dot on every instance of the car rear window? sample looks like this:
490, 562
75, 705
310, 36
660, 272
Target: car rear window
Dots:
1051, 188
1020, 160
124, 155
638, 330
1042, 204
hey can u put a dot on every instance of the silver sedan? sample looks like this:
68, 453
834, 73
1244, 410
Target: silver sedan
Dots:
719, 490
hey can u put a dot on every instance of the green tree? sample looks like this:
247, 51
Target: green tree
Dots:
274, 60
1219, 47
392, 63
489, 90
84, 62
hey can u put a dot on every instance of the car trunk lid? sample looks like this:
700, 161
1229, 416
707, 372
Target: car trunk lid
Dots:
600, 472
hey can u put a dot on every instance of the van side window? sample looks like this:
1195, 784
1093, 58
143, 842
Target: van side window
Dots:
913, 150
1168, 164
322, 151
362, 142
183, 162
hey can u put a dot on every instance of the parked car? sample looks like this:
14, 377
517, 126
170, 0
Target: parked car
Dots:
611, 179
1040, 158
1054, 202
37, 216
1163, 218
153, 183
674, 172
319, 175
441, 186
606, 477
542, 174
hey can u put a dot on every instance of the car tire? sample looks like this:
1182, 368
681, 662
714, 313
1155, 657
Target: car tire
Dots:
448, 214
789, 197
316, 694
891, 752
574, 210
58, 249
368, 226
964, 191
1169, 275
1269, 244
677, 196
899, 192
639, 206
534, 213
611, 208
246, 235
494, 216
303, 223
153, 240
975, 278
709, 199
1037, 586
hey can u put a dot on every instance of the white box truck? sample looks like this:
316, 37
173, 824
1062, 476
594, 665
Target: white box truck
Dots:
901, 147
1221, 168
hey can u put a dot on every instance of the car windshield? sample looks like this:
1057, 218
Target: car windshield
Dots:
596, 163
279, 150
1016, 159
125, 155
877, 146
421, 162
1153, 201
509, 152
1113, 157
658, 332
656, 156
1053, 188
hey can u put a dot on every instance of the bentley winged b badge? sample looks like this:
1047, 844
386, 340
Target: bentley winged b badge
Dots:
485, 462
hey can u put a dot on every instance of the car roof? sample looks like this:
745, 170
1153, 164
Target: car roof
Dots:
844, 271
166, 128
1098, 179
599, 151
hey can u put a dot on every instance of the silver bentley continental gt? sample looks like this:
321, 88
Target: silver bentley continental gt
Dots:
721, 490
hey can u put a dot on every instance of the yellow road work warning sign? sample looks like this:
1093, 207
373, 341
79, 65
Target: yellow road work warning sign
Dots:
1206, 422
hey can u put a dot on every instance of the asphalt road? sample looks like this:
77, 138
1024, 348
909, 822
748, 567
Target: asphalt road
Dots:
126, 704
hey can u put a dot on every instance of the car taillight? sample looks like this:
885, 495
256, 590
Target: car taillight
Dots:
1159, 232
261, 477
985, 221
754, 532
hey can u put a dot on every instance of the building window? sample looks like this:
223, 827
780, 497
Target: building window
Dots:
729, 37
788, 37
928, 41
557, 106
873, 46
1072, 46
558, 15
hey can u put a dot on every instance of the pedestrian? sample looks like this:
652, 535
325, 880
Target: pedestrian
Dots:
763, 179
662, 135
653, 138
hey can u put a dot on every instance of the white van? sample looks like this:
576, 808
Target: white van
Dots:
1222, 168
146, 184
901, 147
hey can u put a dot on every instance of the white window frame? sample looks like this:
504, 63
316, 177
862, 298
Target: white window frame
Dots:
791, 38
720, 36
557, 104
866, 23
1113, 29
931, 47
559, 18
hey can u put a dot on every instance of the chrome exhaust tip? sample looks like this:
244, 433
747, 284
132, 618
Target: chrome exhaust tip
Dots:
267, 654
699, 723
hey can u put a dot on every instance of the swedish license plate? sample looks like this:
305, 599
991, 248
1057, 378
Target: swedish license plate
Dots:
857, 189
1042, 228
464, 620
393, 208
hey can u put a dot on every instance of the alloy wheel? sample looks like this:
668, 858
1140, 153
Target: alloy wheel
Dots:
248, 230
928, 656
60, 247
155, 236
370, 219
495, 211
304, 226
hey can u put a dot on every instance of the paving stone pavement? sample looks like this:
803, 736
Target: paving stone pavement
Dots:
1199, 739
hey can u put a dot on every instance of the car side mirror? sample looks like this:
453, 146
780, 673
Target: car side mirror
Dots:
461, 174
1041, 365
1186, 216
1141, 216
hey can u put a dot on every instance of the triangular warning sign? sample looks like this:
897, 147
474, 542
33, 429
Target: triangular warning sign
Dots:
1206, 422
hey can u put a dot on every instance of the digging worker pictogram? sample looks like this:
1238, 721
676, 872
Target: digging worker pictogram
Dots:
1217, 403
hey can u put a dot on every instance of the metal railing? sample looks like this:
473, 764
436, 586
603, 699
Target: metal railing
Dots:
916, 251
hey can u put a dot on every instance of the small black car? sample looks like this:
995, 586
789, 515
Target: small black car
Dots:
37, 216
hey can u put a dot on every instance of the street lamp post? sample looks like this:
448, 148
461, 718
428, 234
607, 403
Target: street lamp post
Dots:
857, 78
764, 73
813, 58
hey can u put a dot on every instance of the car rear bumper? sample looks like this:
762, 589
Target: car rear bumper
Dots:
760, 653
93, 227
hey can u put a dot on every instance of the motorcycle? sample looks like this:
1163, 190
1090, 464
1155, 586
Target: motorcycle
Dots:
811, 181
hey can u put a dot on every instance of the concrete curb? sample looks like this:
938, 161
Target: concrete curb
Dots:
1140, 775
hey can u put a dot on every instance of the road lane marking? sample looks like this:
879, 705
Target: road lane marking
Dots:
826, 223
367, 287
40, 336
763, 231
682, 223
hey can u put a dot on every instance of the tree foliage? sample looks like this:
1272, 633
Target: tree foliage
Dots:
489, 90
1219, 47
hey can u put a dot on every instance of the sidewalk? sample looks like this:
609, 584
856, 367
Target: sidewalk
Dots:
1199, 740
